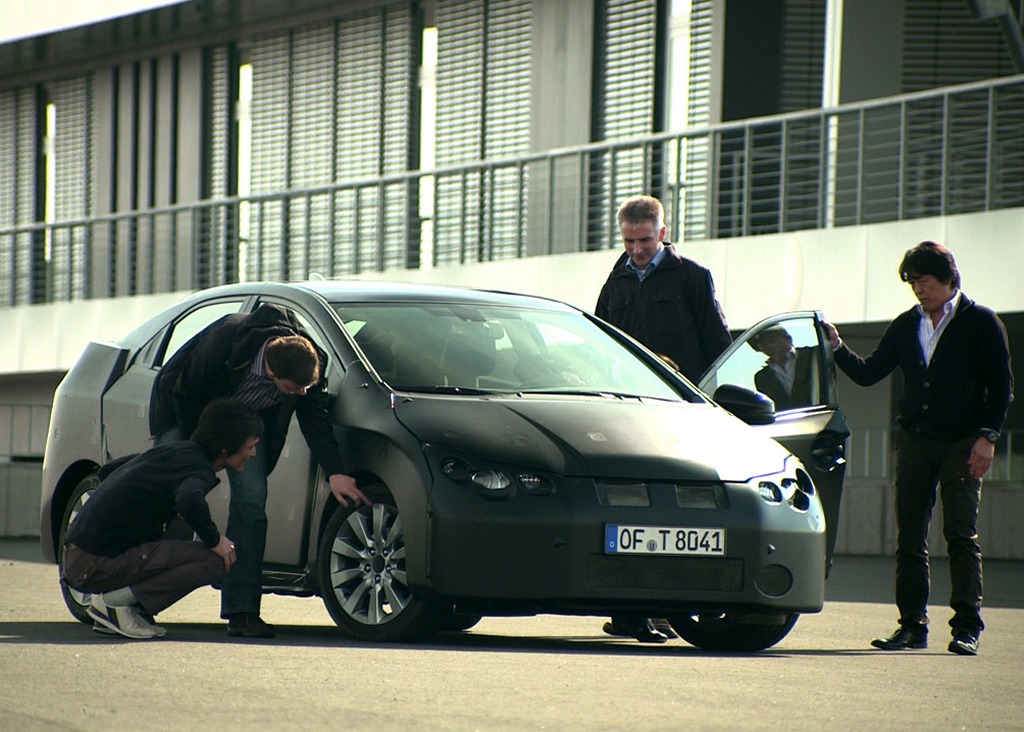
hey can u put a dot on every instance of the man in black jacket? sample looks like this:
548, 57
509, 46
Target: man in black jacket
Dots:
116, 548
955, 360
266, 360
661, 298
667, 302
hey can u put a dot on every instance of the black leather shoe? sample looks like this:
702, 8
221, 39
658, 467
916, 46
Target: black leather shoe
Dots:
641, 629
665, 627
617, 629
904, 638
249, 625
645, 632
964, 644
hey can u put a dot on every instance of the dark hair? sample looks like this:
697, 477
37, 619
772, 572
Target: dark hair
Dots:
758, 340
929, 258
226, 425
294, 358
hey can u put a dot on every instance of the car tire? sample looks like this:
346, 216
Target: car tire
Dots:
454, 621
725, 632
77, 602
361, 572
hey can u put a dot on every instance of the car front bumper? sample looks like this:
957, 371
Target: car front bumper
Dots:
546, 553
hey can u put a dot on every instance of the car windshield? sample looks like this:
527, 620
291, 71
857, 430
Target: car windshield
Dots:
473, 349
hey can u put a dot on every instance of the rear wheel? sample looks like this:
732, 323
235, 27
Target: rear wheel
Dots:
361, 570
77, 602
735, 633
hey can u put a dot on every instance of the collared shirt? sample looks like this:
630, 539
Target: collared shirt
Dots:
929, 334
641, 274
257, 389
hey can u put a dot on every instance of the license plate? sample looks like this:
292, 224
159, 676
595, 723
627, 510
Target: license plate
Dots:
620, 539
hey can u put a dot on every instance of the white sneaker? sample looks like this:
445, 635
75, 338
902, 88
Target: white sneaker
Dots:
122, 620
144, 621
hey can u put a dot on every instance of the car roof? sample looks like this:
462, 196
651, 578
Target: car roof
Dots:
362, 291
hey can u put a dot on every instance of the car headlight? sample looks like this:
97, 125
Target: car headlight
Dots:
793, 487
490, 479
495, 482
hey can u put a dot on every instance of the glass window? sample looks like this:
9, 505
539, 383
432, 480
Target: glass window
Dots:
505, 349
782, 361
195, 321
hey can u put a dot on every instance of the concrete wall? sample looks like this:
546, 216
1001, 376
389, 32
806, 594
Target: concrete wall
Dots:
849, 273
867, 522
19, 499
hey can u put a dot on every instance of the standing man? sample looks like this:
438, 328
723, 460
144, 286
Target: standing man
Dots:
266, 360
116, 548
661, 298
667, 302
955, 361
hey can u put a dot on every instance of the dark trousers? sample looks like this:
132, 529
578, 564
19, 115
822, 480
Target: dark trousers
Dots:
242, 587
922, 465
159, 573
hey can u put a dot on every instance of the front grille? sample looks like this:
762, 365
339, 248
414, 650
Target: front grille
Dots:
664, 573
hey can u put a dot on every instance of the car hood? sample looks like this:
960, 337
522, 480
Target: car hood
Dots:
597, 437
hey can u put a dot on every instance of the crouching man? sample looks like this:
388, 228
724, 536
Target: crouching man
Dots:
116, 548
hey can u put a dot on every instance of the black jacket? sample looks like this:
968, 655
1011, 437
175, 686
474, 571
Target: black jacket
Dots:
213, 363
803, 393
967, 386
139, 494
673, 311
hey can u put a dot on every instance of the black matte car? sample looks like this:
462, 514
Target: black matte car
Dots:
523, 457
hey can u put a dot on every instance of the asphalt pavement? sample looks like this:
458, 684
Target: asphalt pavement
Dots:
546, 672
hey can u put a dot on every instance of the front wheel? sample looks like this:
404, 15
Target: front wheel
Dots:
361, 570
77, 602
733, 633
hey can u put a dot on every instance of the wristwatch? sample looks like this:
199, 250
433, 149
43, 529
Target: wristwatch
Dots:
990, 435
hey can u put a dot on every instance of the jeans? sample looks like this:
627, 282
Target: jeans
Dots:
923, 464
242, 586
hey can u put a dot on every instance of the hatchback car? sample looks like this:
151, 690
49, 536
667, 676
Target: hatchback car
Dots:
523, 457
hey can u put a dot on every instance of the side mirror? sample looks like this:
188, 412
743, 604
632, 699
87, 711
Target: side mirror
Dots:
751, 406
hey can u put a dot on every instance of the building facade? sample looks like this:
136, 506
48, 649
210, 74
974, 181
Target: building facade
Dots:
800, 147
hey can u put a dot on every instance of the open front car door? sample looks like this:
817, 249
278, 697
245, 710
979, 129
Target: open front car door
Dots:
788, 359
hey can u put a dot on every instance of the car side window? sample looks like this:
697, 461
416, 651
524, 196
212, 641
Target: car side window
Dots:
782, 361
194, 322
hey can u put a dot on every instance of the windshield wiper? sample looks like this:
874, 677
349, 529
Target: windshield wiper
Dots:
446, 389
571, 391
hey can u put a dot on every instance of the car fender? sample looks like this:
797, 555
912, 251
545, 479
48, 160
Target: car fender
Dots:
75, 442
382, 448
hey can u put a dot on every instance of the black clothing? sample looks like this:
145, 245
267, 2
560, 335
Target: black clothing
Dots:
921, 462
214, 362
145, 492
967, 386
673, 311
768, 382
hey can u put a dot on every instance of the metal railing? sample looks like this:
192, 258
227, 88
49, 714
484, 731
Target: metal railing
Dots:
953, 150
